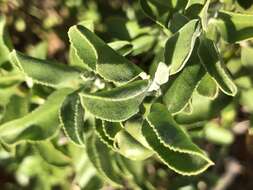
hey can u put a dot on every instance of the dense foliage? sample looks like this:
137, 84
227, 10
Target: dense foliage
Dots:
148, 94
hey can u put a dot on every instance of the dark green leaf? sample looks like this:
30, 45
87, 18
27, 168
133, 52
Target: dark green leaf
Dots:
117, 104
212, 61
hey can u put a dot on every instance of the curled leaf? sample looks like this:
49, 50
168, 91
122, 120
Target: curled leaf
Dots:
214, 65
172, 144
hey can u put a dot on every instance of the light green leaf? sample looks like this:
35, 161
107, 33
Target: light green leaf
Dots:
40, 124
117, 104
129, 147
208, 87
246, 100
179, 47
191, 3
161, 76
203, 108
247, 56
103, 161
45, 72
133, 127
142, 44
234, 27
181, 87
214, 65
122, 47
72, 118
100, 57
204, 15
171, 143
4, 43
217, 134
51, 155
39, 50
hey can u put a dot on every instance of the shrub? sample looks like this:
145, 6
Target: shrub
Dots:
135, 93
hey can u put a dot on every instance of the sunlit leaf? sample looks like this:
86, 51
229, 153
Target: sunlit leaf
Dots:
179, 47
234, 27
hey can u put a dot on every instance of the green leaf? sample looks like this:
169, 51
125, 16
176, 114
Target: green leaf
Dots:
178, 21
214, 65
103, 161
217, 134
203, 108
161, 76
17, 107
4, 43
181, 87
124, 29
38, 125
129, 147
72, 118
191, 3
171, 143
158, 11
102, 135
39, 50
74, 59
194, 7
51, 155
111, 129
133, 127
179, 47
208, 87
122, 47
142, 44
204, 15
234, 27
100, 57
117, 104
247, 56
45, 72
